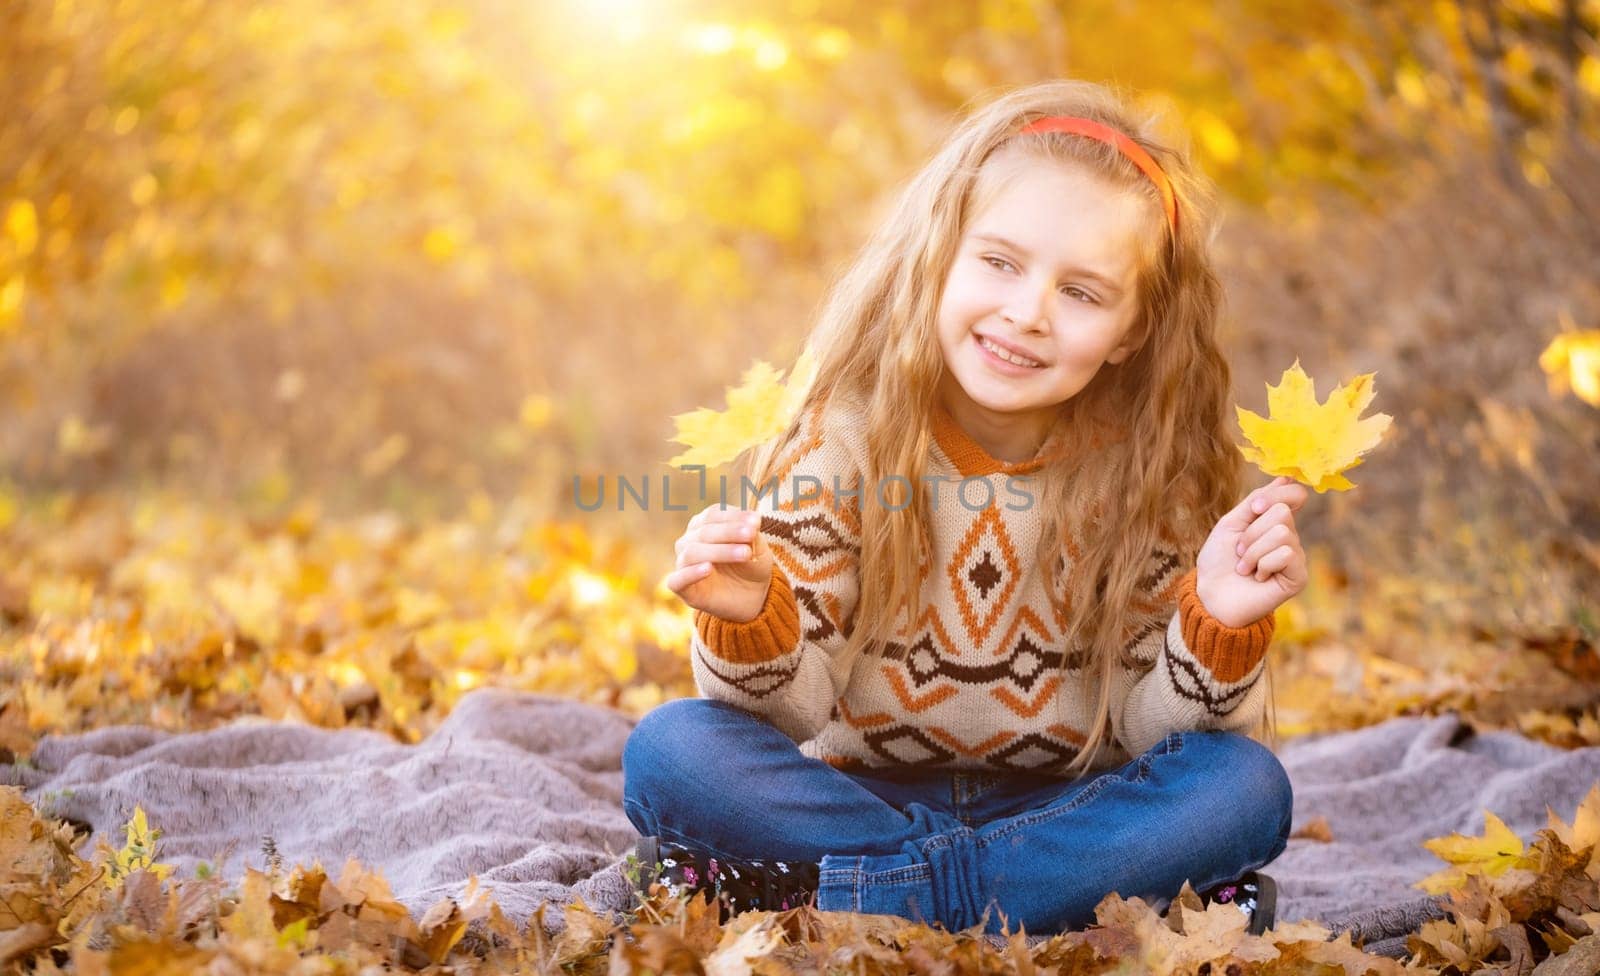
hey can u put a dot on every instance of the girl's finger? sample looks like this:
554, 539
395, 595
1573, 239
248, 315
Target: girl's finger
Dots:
1281, 488
1277, 535
707, 552
1291, 493
717, 513
730, 531
681, 579
733, 516
1278, 514
1273, 562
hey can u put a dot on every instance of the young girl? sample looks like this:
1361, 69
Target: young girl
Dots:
987, 645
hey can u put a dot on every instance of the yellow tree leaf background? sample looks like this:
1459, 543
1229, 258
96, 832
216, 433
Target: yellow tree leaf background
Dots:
1572, 362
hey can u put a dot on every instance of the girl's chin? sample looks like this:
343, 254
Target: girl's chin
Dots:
986, 388
999, 402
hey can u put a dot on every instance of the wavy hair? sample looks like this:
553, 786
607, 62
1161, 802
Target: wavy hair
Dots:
1148, 463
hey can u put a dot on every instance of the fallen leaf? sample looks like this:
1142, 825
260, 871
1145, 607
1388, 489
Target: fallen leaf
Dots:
1496, 852
23, 939
1584, 831
1316, 829
734, 958
138, 852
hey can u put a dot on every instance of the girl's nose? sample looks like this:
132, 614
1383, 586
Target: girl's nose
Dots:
1028, 305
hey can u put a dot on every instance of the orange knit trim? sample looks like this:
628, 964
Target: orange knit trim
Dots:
1229, 652
970, 458
774, 632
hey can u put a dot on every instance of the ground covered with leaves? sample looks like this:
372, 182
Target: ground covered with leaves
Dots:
1513, 911
156, 610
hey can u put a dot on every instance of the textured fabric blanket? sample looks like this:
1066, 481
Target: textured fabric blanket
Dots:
524, 791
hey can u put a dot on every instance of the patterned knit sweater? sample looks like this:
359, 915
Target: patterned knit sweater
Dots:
978, 685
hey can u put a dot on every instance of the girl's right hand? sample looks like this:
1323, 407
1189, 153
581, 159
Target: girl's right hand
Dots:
724, 566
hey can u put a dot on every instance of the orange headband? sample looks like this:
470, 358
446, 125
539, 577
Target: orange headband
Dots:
1135, 153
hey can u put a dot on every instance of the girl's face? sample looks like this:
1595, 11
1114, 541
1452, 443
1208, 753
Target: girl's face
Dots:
1041, 294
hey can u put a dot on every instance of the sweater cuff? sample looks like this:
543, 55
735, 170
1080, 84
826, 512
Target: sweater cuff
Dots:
1229, 652
774, 632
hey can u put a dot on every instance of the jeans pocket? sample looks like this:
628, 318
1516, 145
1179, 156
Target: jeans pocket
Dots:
1170, 746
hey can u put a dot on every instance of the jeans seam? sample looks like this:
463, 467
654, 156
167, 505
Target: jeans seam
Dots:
684, 840
849, 877
1084, 796
911, 872
647, 814
1172, 743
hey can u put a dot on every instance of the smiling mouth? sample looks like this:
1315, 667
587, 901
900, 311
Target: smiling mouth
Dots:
1010, 357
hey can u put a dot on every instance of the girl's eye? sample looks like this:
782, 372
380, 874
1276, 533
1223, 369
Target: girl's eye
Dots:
1078, 294
999, 264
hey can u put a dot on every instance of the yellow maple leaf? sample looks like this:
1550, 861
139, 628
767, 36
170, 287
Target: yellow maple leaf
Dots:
1584, 831
759, 409
1572, 362
138, 853
1496, 852
1312, 442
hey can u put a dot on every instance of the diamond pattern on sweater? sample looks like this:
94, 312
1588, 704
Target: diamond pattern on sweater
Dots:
1194, 682
925, 664
1032, 752
758, 681
819, 625
811, 548
907, 745
972, 752
984, 574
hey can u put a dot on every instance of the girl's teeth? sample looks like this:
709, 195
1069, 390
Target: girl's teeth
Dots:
1008, 357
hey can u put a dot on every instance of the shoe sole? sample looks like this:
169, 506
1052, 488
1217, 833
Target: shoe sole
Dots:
648, 852
1266, 905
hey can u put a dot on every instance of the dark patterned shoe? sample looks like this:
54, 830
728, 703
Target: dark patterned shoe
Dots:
737, 886
1254, 893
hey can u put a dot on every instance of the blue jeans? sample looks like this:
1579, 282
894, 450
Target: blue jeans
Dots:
943, 846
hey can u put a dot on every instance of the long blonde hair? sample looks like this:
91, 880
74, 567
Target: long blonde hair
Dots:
1156, 421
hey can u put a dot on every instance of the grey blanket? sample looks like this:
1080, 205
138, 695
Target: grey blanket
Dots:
524, 791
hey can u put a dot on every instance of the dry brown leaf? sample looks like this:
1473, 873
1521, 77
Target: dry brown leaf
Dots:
25, 939
1316, 829
1583, 959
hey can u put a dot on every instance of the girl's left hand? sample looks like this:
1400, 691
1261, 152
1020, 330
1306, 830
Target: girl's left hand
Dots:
1253, 563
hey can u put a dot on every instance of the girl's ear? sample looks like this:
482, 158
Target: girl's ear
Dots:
1123, 350
1132, 338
